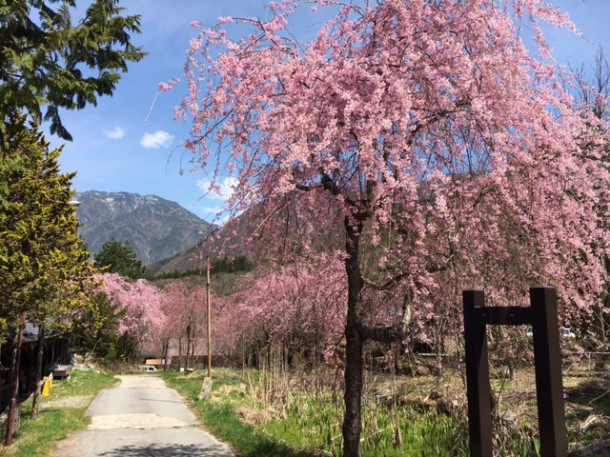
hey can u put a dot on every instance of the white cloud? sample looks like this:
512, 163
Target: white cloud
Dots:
115, 134
156, 140
212, 210
214, 214
227, 186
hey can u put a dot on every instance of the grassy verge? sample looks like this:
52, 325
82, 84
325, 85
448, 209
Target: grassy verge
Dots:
277, 414
219, 414
388, 432
38, 434
80, 383
310, 425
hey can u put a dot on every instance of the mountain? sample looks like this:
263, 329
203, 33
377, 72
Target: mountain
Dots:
154, 227
185, 261
227, 241
279, 240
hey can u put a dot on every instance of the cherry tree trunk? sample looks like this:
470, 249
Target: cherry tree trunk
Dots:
352, 420
15, 361
188, 346
180, 361
165, 352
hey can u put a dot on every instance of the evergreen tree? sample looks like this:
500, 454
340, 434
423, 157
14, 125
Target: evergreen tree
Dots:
47, 60
97, 330
43, 267
116, 257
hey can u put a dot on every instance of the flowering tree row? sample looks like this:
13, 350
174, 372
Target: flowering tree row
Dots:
142, 316
151, 316
300, 305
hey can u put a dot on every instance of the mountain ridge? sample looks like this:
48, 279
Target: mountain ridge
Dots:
154, 227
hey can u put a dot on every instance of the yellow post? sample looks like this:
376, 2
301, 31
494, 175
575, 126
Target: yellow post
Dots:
46, 388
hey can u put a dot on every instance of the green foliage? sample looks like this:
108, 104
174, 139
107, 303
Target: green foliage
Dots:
49, 426
127, 348
116, 257
221, 419
313, 422
47, 60
43, 265
246, 439
238, 264
38, 433
82, 382
96, 331
9, 166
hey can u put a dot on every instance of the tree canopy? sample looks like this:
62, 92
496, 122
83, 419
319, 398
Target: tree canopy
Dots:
43, 264
116, 257
42, 260
142, 315
48, 61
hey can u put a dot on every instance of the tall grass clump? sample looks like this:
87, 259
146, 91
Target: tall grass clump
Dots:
314, 422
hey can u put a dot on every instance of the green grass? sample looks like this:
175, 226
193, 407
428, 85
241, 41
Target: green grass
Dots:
305, 423
220, 417
80, 383
310, 424
38, 434
316, 423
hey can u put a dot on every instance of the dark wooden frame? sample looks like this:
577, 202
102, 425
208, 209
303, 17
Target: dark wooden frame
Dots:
542, 316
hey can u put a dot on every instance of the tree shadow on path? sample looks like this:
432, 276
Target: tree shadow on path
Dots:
169, 450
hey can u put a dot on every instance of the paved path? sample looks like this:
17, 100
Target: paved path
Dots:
141, 417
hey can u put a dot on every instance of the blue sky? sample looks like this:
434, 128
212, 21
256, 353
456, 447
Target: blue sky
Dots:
130, 142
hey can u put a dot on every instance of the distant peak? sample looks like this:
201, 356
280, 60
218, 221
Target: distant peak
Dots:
156, 228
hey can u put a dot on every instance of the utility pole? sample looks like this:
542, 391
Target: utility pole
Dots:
206, 386
209, 319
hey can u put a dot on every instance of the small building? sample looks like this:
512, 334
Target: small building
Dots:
55, 352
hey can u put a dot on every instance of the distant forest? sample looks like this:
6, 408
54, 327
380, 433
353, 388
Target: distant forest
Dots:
238, 264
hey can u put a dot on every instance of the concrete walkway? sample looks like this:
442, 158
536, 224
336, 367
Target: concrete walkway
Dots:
141, 417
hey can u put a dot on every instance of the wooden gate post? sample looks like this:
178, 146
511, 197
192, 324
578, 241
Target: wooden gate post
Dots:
547, 360
477, 377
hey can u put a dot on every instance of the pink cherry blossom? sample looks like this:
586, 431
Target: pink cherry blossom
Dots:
144, 316
419, 143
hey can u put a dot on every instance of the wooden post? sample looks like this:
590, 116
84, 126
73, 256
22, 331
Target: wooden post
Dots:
547, 360
209, 319
477, 377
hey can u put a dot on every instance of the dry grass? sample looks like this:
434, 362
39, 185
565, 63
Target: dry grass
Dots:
587, 399
265, 400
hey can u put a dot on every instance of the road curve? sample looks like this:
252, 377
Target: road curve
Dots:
141, 417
